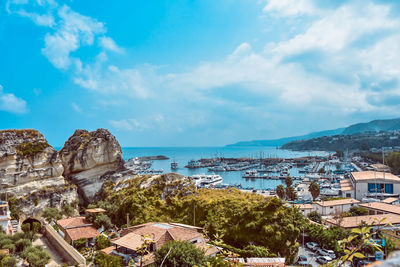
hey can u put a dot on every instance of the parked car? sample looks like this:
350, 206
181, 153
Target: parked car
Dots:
324, 259
327, 252
312, 245
362, 262
302, 260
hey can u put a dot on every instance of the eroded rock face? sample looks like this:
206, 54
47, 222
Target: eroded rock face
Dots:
31, 171
26, 157
89, 157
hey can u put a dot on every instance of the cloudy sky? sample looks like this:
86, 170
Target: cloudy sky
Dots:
192, 73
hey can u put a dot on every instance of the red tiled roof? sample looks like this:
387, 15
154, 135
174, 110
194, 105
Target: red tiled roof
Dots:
161, 233
82, 232
73, 222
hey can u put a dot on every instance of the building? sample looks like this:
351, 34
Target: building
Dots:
5, 218
381, 208
346, 188
331, 207
380, 167
371, 184
355, 221
155, 235
380, 221
305, 209
72, 229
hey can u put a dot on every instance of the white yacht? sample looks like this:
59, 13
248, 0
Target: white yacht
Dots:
203, 180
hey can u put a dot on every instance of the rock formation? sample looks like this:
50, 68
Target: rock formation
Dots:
89, 158
28, 166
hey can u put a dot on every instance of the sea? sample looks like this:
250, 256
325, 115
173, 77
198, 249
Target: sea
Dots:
182, 155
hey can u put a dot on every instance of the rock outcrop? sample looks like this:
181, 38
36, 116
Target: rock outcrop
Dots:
25, 158
28, 166
90, 158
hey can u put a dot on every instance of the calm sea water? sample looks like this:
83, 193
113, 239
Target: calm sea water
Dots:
183, 154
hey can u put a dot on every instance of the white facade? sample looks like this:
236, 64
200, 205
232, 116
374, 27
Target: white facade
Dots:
326, 208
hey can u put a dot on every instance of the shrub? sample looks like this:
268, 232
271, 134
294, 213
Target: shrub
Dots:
31, 148
102, 242
182, 254
36, 256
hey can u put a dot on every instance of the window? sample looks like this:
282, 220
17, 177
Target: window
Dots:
389, 188
331, 207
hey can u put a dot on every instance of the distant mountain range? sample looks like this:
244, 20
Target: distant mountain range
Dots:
372, 126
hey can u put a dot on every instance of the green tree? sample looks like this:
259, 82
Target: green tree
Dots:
288, 181
80, 243
102, 242
68, 210
321, 170
315, 216
358, 211
8, 262
179, 253
103, 260
51, 214
36, 256
291, 193
393, 160
280, 191
314, 190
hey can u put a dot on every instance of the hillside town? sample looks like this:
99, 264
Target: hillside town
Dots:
92, 215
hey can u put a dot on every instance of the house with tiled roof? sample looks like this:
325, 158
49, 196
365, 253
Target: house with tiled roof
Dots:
132, 239
75, 228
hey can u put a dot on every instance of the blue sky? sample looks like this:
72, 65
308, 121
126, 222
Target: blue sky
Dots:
197, 73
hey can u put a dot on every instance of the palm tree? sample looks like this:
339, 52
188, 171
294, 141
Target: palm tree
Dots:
314, 190
288, 181
280, 191
291, 193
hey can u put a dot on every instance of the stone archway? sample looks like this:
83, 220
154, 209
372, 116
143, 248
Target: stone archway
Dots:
30, 221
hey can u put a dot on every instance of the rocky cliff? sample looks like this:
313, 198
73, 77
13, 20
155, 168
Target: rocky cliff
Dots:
90, 158
29, 165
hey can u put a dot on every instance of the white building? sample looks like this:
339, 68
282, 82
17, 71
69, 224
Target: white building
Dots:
305, 209
371, 184
331, 207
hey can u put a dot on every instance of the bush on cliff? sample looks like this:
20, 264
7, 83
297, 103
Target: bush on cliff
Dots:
31, 149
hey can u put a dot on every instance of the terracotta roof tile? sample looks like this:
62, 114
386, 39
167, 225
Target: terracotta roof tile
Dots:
382, 207
73, 222
82, 232
355, 221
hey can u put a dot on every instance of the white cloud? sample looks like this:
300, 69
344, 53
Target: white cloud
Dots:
338, 29
11, 103
126, 124
74, 30
109, 44
41, 20
290, 7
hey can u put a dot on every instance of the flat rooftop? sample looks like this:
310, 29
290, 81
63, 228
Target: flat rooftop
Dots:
339, 202
373, 175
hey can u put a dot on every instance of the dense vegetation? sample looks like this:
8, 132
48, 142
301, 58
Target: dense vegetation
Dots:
20, 246
239, 219
178, 253
31, 149
360, 141
393, 160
